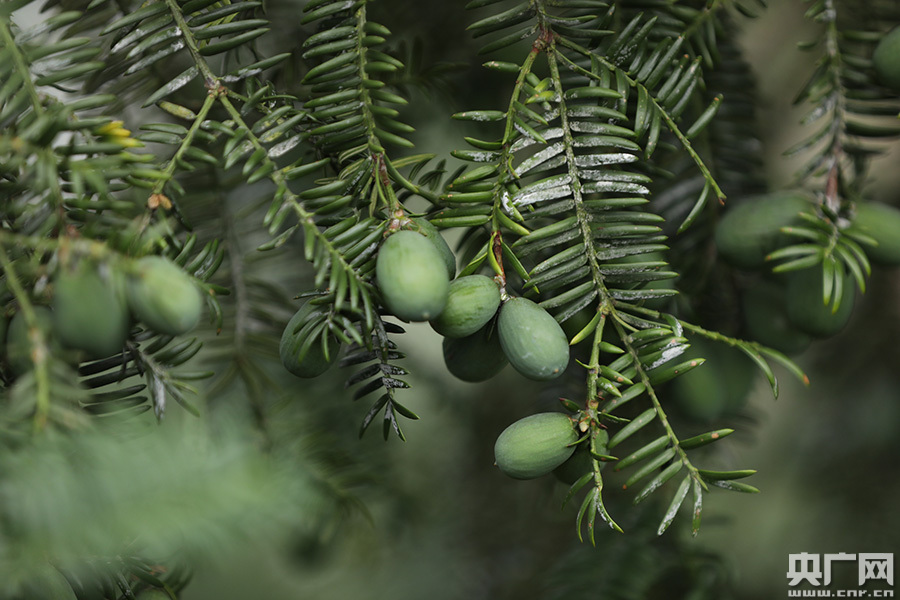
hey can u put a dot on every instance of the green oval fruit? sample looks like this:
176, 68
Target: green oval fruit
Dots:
805, 307
886, 59
412, 276
475, 358
750, 231
535, 445
301, 358
532, 340
882, 223
18, 345
434, 236
162, 296
89, 311
766, 320
581, 463
471, 302
719, 386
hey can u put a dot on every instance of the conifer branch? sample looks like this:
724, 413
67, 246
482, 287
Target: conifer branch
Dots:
655, 103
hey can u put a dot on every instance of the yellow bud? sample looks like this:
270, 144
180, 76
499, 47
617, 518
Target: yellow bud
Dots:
109, 128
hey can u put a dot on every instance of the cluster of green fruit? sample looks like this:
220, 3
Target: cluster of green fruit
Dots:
782, 311
786, 311
92, 306
414, 278
482, 331
547, 443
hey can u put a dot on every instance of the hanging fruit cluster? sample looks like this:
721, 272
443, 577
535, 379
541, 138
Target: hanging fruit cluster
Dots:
577, 186
484, 328
787, 310
91, 305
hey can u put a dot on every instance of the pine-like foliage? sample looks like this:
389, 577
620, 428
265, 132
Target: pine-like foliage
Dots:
566, 188
851, 113
269, 169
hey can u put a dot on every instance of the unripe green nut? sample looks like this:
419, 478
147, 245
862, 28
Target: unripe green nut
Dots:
431, 232
471, 302
535, 445
886, 59
299, 357
475, 358
805, 306
882, 223
750, 231
89, 311
162, 296
719, 386
18, 344
766, 320
532, 340
412, 276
